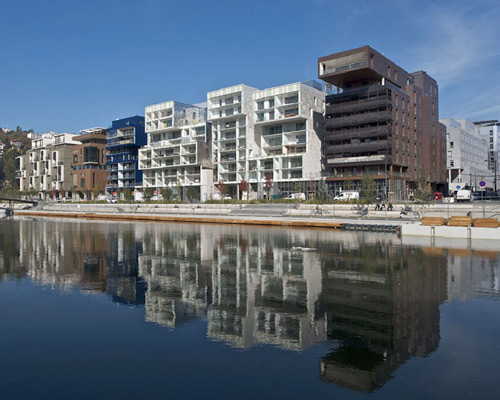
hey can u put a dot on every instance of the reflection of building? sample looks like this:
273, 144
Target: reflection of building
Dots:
473, 274
264, 293
94, 257
372, 302
178, 281
382, 307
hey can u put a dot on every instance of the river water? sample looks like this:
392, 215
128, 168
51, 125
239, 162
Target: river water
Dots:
154, 311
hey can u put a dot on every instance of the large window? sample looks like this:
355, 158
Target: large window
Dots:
91, 155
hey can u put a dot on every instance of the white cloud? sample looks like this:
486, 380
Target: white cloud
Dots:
454, 41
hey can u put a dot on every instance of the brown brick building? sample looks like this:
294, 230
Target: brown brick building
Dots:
89, 163
382, 122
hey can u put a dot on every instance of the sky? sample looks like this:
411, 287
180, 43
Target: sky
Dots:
72, 65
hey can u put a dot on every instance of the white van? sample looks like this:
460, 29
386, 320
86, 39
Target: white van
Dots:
218, 196
296, 196
348, 195
464, 195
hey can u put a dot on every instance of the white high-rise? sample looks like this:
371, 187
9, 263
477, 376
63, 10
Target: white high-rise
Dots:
490, 130
230, 111
177, 153
287, 131
467, 155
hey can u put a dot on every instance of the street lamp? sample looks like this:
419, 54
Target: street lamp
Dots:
495, 159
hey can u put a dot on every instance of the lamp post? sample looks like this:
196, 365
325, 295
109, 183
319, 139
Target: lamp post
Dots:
495, 158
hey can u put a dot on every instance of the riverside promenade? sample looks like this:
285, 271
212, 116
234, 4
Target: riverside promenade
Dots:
284, 214
346, 217
296, 215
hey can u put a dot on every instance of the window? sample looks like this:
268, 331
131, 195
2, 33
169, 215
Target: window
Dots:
451, 145
91, 155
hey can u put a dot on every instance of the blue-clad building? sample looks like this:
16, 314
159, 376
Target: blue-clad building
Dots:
124, 139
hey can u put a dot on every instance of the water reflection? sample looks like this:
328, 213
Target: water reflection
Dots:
371, 302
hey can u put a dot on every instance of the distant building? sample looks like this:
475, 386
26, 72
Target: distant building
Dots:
46, 168
382, 122
17, 145
124, 139
2, 147
89, 163
467, 155
490, 130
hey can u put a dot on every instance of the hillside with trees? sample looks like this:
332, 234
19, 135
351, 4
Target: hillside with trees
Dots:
15, 144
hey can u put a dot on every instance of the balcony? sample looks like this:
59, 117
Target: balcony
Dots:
358, 133
360, 147
359, 105
358, 119
327, 70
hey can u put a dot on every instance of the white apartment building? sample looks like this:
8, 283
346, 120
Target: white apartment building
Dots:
177, 151
467, 155
287, 131
490, 130
2, 147
47, 166
267, 136
233, 141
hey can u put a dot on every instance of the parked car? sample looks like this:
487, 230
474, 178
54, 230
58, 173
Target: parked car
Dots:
477, 195
112, 200
438, 196
491, 195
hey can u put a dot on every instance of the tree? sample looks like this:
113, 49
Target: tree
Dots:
127, 195
221, 187
166, 193
422, 193
148, 194
178, 188
9, 165
268, 184
322, 194
299, 186
95, 191
191, 194
243, 187
368, 189
348, 185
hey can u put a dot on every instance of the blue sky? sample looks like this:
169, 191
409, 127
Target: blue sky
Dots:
70, 65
